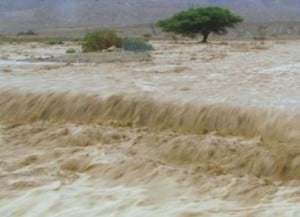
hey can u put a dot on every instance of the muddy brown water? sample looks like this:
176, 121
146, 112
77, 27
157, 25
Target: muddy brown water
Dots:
156, 138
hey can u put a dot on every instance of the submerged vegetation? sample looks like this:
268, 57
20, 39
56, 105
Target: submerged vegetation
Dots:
136, 45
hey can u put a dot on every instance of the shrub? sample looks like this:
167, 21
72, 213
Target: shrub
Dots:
71, 50
54, 42
136, 45
29, 32
100, 40
147, 35
259, 38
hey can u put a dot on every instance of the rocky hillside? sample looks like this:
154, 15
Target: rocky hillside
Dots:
21, 15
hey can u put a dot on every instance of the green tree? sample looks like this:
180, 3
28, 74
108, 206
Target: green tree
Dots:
203, 20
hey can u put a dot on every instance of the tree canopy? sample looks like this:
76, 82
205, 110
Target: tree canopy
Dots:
202, 20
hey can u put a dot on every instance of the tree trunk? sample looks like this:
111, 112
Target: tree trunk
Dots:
205, 37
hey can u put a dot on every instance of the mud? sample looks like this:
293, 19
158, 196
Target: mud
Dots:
163, 138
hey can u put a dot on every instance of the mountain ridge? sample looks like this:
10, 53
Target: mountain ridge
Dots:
34, 14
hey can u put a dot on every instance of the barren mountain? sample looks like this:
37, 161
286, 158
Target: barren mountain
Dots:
18, 15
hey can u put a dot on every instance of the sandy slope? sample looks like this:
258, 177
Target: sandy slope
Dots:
123, 143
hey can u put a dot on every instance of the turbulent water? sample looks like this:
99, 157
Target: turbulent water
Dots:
117, 147
125, 156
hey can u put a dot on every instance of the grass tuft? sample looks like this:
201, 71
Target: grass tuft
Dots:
71, 50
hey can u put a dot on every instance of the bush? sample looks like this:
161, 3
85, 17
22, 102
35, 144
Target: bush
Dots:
100, 40
136, 45
54, 42
28, 33
70, 50
147, 35
259, 38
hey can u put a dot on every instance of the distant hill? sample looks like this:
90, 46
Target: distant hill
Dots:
21, 15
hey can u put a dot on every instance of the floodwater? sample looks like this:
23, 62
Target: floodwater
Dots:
200, 130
